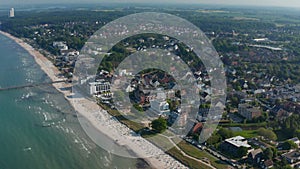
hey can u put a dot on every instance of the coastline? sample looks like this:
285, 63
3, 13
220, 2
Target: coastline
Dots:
99, 118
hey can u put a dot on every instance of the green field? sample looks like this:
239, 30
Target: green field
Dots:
246, 133
247, 125
188, 162
200, 154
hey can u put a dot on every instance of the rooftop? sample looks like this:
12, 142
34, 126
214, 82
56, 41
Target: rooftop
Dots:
238, 141
294, 155
295, 139
254, 153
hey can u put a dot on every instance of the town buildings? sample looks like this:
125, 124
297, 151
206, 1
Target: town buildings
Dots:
248, 111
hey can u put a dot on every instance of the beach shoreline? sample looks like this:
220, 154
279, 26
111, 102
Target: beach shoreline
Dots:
99, 118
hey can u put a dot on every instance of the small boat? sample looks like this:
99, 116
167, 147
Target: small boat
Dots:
46, 125
27, 149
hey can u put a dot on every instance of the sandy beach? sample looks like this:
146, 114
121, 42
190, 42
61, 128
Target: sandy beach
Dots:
100, 119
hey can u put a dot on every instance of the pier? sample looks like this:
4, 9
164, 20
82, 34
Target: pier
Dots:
31, 85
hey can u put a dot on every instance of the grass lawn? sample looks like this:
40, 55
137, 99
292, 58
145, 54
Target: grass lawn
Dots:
177, 140
165, 144
246, 133
200, 154
186, 161
169, 134
254, 125
161, 142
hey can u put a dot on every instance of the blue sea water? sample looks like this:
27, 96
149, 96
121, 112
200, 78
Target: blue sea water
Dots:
24, 142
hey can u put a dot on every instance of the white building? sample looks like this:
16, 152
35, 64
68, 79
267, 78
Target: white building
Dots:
259, 91
124, 72
233, 145
261, 40
161, 95
100, 87
129, 89
61, 45
12, 13
69, 52
160, 107
238, 141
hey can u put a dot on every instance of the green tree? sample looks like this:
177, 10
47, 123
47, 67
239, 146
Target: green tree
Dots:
266, 133
159, 125
214, 139
287, 167
173, 104
268, 153
275, 152
138, 107
225, 133
235, 101
239, 88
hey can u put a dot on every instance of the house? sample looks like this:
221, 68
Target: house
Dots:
292, 156
258, 143
267, 164
197, 128
124, 72
202, 114
129, 89
259, 91
248, 111
173, 117
280, 113
69, 52
234, 144
295, 140
212, 113
255, 156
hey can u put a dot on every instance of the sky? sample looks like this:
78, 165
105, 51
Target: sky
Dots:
279, 3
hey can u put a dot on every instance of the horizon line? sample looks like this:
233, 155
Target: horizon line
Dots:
151, 3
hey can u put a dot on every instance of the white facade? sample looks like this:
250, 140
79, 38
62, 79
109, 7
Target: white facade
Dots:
124, 72
61, 45
160, 107
99, 87
161, 95
12, 13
